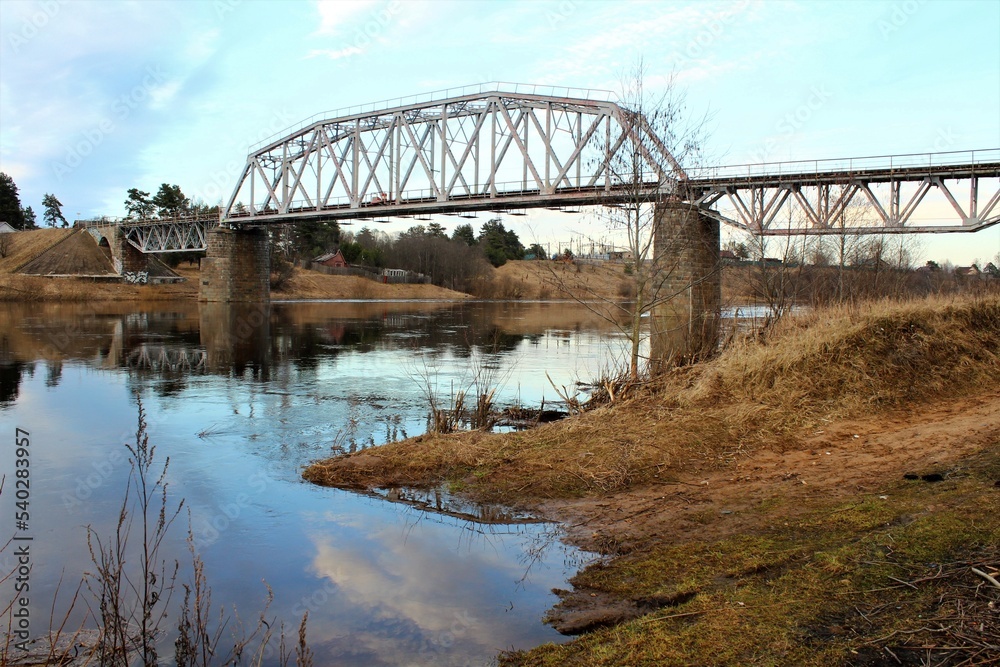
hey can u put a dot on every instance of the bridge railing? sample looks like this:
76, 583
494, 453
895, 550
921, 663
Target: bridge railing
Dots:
118, 221
595, 95
850, 165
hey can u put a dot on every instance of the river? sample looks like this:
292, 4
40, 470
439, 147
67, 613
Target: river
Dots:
240, 400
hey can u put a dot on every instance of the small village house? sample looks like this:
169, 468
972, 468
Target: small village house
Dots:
334, 260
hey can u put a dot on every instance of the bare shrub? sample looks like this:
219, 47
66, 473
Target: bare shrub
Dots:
363, 289
485, 377
500, 288
281, 271
626, 289
131, 588
132, 601
657, 138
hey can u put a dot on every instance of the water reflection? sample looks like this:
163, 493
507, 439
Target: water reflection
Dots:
167, 345
441, 502
411, 589
239, 400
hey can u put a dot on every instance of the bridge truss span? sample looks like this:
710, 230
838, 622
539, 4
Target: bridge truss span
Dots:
178, 234
938, 192
485, 150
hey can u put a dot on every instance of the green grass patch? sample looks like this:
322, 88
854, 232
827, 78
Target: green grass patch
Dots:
851, 583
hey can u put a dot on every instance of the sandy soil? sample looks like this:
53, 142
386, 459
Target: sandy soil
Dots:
702, 503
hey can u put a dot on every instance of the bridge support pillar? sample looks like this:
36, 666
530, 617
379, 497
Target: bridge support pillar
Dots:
236, 337
686, 246
236, 267
128, 260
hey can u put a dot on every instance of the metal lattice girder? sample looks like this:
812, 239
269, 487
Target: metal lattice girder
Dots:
168, 235
937, 192
162, 358
495, 146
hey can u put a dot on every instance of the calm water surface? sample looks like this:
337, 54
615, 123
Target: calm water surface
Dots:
242, 399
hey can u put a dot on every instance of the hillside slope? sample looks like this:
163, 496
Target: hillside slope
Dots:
26, 246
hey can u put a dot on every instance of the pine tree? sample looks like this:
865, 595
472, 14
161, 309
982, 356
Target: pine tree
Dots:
10, 203
53, 211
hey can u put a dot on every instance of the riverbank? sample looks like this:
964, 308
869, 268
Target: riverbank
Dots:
64, 265
769, 506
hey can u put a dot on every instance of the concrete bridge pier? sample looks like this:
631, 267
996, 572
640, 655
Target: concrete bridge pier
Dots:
686, 249
236, 268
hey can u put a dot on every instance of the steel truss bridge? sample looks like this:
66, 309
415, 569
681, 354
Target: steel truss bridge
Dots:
509, 147
179, 234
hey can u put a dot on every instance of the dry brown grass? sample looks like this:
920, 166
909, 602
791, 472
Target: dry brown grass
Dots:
78, 254
26, 246
853, 361
545, 279
833, 364
305, 284
18, 287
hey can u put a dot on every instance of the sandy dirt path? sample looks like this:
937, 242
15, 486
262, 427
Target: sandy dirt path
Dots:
708, 503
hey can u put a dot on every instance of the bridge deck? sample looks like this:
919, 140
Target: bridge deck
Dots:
833, 177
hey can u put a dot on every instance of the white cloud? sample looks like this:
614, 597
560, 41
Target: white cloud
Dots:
202, 46
334, 54
160, 96
333, 14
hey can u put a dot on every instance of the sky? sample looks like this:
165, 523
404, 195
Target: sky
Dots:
100, 97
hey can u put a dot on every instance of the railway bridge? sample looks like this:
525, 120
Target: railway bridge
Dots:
509, 147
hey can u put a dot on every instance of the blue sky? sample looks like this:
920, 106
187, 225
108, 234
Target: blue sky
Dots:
99, 97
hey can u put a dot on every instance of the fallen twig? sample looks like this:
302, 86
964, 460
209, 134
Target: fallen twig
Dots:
986, 577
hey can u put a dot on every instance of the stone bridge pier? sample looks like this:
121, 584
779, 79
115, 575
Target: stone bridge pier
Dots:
125, 256
236, 338
685, 325
236, 267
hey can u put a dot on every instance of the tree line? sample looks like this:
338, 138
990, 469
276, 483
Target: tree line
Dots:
20, 217
457, 261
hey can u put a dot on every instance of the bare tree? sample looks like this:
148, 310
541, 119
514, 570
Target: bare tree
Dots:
656, 141
776, 278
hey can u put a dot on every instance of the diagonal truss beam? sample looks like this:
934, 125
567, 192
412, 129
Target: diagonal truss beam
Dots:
871, 201
458, 150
